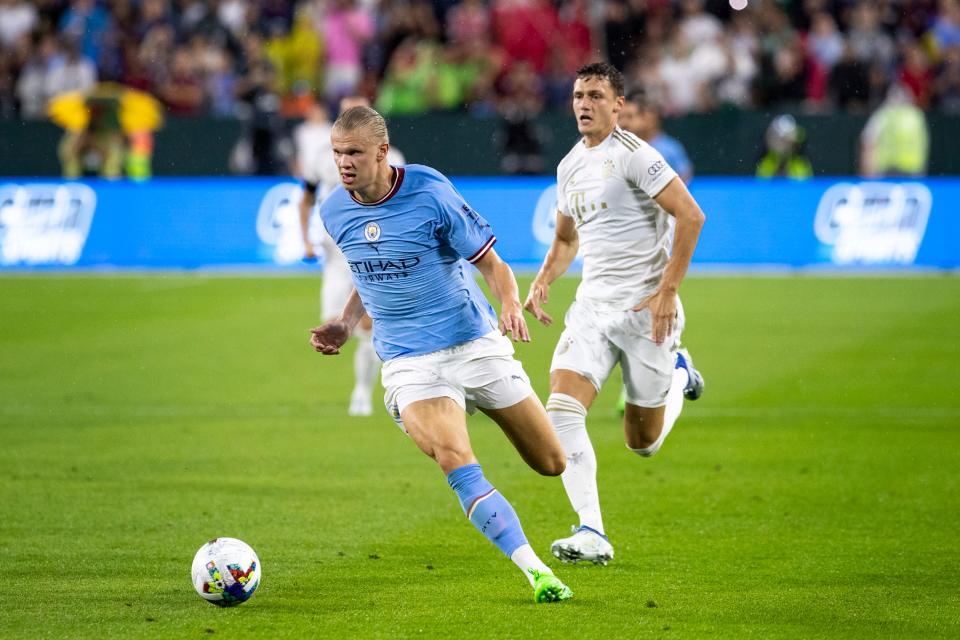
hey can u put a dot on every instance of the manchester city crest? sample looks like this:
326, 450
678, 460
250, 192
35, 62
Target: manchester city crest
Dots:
371, 232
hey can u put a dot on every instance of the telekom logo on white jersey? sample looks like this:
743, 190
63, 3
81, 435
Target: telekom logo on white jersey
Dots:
873, 222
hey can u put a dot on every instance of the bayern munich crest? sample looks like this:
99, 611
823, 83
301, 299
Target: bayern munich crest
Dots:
371, 232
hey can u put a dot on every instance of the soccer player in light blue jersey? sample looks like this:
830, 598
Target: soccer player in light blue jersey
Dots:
408, 236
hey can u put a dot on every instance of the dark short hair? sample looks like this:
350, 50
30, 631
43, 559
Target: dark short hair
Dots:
603, 70
643, 101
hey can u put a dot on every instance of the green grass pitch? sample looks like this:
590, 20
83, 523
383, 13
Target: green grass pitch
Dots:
811, 493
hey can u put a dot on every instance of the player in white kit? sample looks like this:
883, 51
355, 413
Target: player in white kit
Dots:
615, 195
319, 173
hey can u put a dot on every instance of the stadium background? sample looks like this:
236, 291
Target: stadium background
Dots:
156, 388
234, 69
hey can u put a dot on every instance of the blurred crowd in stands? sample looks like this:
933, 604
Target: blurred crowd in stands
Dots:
509, 57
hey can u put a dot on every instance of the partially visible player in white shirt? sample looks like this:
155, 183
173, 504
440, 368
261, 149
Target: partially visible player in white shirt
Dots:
318, 170
615, 195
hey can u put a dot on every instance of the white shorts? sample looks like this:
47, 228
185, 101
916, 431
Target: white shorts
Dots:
593, 342
337, 281
480, 373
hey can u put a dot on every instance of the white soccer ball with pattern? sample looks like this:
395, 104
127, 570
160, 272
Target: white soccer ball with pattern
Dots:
226, 572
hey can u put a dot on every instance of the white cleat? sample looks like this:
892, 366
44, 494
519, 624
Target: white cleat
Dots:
585, 545
694, 388
360, 403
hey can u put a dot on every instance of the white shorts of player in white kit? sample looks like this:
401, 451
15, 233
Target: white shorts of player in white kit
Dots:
594, 341
481, 373
337, 282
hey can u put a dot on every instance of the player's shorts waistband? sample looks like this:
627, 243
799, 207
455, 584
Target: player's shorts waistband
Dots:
491, 336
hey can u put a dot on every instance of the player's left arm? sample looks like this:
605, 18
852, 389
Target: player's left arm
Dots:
503, 285
471, 237
676, 200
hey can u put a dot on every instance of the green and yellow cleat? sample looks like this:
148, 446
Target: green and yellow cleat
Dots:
548, 588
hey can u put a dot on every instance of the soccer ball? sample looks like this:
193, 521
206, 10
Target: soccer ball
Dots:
226, 572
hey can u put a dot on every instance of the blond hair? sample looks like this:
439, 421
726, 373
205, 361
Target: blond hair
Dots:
362, 119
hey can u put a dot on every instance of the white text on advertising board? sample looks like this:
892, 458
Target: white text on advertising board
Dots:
873, 223
44, 224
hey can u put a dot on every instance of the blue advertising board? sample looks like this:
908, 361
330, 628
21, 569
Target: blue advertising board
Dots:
252, 223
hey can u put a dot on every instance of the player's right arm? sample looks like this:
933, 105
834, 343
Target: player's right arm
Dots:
307, 201
329, 337
566, 243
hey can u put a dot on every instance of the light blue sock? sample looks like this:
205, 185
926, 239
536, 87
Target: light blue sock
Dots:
487, 509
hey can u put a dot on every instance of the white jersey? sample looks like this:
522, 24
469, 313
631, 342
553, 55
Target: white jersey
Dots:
625, 236
315, 156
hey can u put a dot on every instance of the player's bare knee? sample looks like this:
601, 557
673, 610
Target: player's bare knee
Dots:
450, 458
641, 429
551, 465
642, 441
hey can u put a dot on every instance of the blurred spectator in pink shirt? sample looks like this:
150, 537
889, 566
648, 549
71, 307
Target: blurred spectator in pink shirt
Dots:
346, 29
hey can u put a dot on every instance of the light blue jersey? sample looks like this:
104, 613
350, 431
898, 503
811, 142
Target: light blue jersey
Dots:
674, 153
406, 254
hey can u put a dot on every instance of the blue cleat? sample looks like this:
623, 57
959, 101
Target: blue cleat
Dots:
694, 388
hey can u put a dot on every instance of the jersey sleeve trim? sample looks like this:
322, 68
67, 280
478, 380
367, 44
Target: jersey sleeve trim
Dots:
622, 137
657, 190
482, 251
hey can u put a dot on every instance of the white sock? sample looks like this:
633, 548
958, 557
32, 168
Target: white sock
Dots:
670, 413
569, 419
526, 558
366, 363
